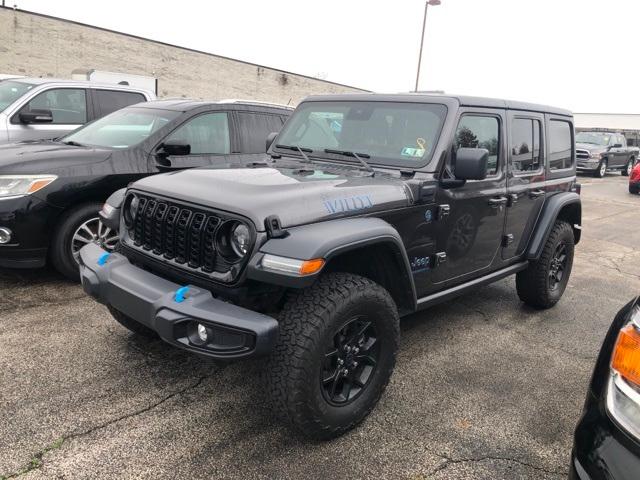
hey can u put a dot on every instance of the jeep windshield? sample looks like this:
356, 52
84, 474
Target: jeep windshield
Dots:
11, 91
593, 138
387, 133
121, 129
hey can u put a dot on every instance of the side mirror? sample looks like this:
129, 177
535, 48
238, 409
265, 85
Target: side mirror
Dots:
270, 138
178, 148
36, 116
471, 163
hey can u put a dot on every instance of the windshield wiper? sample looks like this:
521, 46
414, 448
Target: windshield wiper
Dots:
358, 156
296, 148
73, 144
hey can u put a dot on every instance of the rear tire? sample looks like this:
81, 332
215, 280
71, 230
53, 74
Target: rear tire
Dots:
132, 325
542, 284
602, 169
626, 171
311, 379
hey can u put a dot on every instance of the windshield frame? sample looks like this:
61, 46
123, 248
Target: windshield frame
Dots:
373, 160
151, 138
29, 88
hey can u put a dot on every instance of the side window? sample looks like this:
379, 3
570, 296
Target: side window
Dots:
68, 105
561, 145
253, 129
476, 131
109, 100
525, 145
207, 134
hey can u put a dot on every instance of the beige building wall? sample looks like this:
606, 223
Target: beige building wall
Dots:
41, 46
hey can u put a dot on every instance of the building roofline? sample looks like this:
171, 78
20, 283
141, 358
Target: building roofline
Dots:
43, 15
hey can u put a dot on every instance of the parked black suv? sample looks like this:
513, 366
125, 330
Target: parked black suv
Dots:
51, 191
598, 152
370, 208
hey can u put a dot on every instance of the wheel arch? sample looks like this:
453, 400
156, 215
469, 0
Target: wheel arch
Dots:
369, 247
564, 206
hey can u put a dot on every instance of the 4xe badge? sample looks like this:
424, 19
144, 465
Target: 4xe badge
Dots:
419, 264
428, 216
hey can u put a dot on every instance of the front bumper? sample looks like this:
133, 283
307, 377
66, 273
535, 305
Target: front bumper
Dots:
587, 165
602, 451
236, 332
634, 187
30, 221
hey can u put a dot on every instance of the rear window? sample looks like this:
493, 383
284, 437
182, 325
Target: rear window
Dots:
561, 145
110, 100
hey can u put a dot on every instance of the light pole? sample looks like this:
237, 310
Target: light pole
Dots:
424, 25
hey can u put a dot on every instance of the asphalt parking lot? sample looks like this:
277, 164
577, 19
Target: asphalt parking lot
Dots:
485, 388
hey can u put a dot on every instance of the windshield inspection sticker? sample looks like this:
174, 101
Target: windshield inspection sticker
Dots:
418, 151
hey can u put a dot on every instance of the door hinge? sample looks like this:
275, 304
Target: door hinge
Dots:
441, 257
507, 239
443, 211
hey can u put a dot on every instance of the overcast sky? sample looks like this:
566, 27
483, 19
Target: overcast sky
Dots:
578, 54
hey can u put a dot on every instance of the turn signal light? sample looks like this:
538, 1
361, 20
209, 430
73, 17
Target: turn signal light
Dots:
38, 184
310, 267
626, 355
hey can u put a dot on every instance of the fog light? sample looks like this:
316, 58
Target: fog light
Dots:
202, 333
5, 235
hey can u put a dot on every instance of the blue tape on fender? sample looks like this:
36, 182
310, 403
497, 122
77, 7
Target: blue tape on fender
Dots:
179, 297
103, 258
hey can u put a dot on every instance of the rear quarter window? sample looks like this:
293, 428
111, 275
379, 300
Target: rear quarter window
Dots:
560, 145
109, 101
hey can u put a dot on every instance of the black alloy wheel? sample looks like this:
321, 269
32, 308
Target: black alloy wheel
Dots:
557, 266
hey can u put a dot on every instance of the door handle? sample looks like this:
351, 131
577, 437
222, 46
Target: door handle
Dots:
497, 201
536, 193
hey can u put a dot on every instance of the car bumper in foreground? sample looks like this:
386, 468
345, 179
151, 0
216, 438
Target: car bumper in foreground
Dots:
602, 451
634, 187
234, 332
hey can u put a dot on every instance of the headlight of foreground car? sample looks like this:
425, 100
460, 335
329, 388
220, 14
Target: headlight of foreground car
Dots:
240, 239
623, 393
15, 185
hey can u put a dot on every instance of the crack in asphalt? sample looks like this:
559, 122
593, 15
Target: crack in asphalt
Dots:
12, 307
448, 462
37, 461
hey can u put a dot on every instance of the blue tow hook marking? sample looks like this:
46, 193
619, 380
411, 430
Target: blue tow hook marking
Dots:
103, 258
180, 294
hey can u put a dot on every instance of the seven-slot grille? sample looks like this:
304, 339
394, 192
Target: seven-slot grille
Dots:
181, 233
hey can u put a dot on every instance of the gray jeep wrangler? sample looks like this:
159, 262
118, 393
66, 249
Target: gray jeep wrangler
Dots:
367, 208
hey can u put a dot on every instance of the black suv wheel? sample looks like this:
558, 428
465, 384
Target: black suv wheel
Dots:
75, 229
335, 355
543, 282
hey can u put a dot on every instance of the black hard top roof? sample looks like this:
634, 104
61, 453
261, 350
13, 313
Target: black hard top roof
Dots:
461, 100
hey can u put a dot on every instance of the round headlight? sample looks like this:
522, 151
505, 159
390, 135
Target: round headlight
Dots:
131, 210
240, 239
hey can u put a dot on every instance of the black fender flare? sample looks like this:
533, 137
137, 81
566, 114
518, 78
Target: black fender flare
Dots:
328, 240
553, 208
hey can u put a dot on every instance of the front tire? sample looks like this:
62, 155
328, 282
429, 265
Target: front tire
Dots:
76, 228
334, 356
542, 284
626, 171
602, 169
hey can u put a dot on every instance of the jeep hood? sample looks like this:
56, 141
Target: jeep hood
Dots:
46, 157
297, 196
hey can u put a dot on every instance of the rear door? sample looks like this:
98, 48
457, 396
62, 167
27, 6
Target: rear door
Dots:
525, 180
108, 101
469, 238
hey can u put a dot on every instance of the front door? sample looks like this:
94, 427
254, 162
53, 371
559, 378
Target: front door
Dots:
469, 237
525, 180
